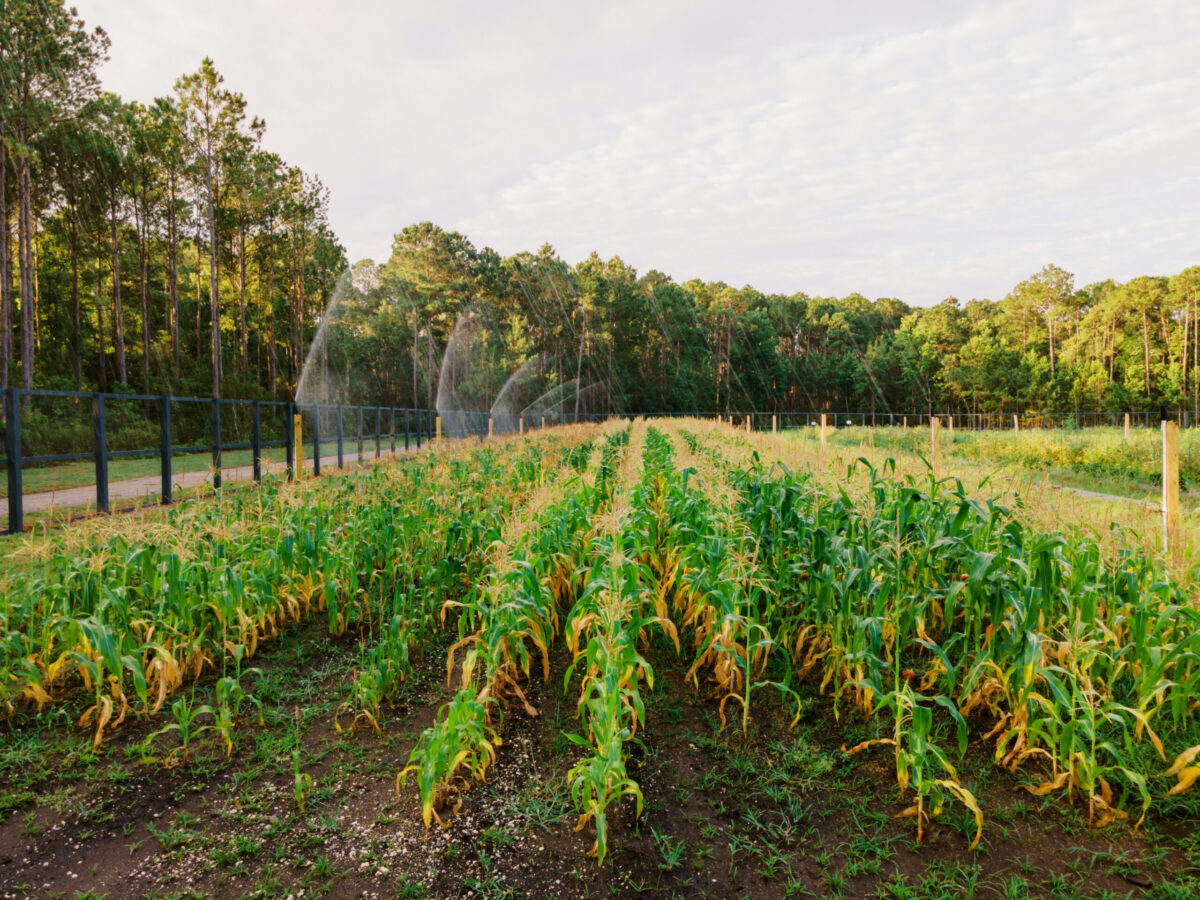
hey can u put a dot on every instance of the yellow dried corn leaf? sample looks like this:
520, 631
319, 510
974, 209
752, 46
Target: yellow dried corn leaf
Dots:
1183, 760
1186, 779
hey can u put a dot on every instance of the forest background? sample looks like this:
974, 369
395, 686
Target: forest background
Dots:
162, 248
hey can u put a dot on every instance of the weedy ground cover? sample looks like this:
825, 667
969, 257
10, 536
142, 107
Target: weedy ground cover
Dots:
638, 659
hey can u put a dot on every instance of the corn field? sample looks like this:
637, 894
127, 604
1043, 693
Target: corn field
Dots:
930, 619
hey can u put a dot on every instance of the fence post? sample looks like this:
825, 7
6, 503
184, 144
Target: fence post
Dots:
317, 440
521, 425
489, 425
774, 423
216, 429
933, 443
164, 432
340, 438
256, 441
1170, 498
1126, 426
823, 423
358, 427
100, 441
439, 431
749, 416
1016, 425
291, 433
12, 450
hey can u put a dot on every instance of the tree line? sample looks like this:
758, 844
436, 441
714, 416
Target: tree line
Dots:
655, 344
160, 247
155, 247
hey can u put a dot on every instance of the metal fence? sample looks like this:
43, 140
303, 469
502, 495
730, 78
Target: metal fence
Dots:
53, 427
765, 420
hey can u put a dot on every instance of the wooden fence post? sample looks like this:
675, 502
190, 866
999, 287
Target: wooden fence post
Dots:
1016, 425
297, 447
774, 423
823, 425
1170, 498
933, 443
489, 426
1126, 426
438, 426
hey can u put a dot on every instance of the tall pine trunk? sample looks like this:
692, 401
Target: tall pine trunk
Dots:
272, 357
173, 277
76, 312
103, 369
5, 268
199, 300
242, 294
118, 318
143, 275
214, 287
25, 261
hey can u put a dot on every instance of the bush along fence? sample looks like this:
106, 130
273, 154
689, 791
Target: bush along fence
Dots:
46, 428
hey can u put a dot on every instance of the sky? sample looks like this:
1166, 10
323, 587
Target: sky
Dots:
918, 150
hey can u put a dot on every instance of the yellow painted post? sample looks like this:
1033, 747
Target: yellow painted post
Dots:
298, 443
489, 426
1170, 483
823, 426
1126, 426
934, 425
774, 424
438, 426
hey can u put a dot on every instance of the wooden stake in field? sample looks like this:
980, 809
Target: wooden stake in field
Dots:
489, 426
823, 426
747, 424
521, 425
1170, 486
544, 421
1016, 425
298, 440
774, 423
934, 426
950, 418
438, 426
1126, 426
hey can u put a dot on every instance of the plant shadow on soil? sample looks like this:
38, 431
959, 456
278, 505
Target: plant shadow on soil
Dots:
783, 814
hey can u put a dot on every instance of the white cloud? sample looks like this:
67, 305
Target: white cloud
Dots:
915, 150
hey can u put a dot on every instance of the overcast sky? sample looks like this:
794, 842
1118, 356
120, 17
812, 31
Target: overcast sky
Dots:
918, 150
